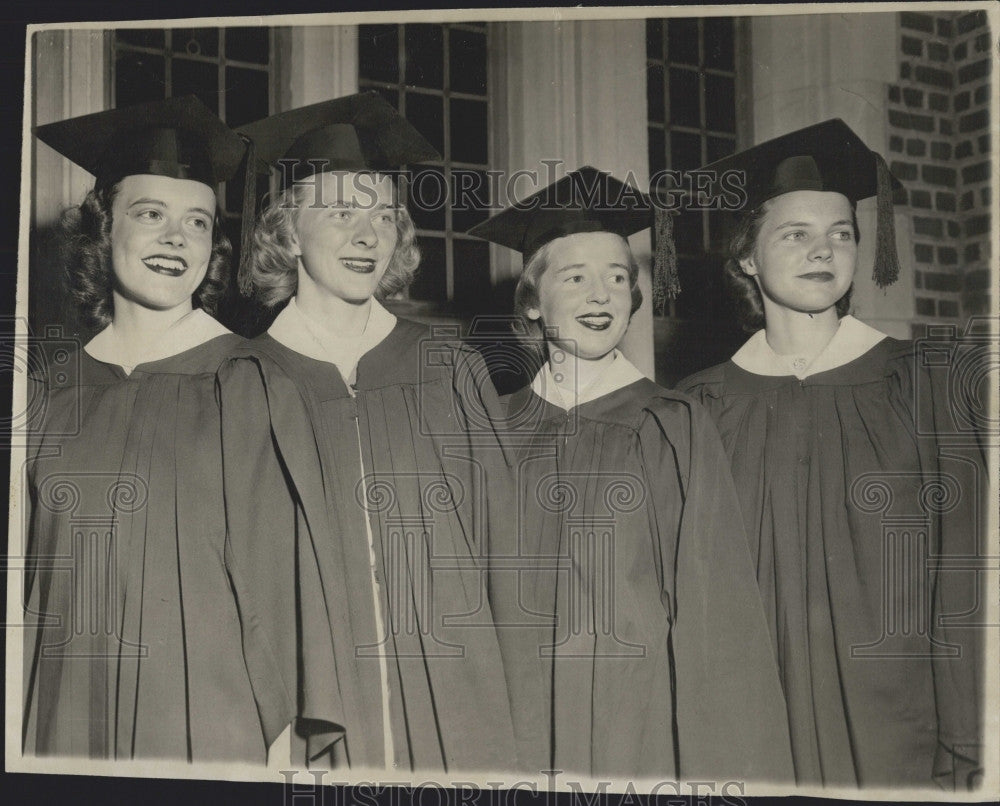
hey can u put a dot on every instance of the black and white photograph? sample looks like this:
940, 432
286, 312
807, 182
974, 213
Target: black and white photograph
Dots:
580, 401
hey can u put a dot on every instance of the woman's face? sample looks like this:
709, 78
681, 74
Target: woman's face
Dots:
345, 235
161, 239
805, 253
585, 294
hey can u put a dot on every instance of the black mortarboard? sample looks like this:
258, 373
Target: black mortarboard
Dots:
361, 132
176, 137
585, 200
828, 156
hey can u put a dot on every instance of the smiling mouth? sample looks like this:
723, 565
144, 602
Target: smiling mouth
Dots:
361, 265
170, 265
595, 321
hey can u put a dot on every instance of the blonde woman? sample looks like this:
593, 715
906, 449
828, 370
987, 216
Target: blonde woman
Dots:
378, 477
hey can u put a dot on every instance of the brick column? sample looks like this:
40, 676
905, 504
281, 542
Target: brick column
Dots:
971, 53
939, 148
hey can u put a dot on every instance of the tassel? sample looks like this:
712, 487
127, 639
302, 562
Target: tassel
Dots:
249, 209
886, 270
666, 283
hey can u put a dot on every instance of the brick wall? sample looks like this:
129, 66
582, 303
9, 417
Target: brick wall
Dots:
939, 147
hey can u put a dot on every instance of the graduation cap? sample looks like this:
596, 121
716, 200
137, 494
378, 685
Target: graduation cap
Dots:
585, 200
827, 156
361, 132
177, 137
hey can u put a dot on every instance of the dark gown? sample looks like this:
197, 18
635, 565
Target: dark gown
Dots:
860, 529
633, 634
410, 447
139, 649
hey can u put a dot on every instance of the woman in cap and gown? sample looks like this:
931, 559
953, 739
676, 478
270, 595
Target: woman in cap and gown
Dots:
854, 507
365, 440
633, 633
132, 642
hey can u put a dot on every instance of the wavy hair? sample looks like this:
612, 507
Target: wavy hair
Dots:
270, 271
526, 295
89, 273
526, 292
743, 291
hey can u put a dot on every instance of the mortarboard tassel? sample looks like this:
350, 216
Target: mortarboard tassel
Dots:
249, 209
886, 270
666, 283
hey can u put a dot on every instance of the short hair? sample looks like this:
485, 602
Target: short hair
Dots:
270, 271
526, 296
526, 292
89, 273
742, 289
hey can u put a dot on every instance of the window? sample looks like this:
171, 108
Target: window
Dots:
691, 89
230, 70
435, 75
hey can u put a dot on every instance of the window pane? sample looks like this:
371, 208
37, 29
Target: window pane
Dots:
654, 39
139, 77
248, 44
682, 41
719, 42
469, 138
196, 41
467, 61
666, 188
427, 197
720, 103
719, 222
687, 232
685, 101
246, 95
473, 290
701, 287
654, 92
431, 282
657, 151
719, 147
390, 95
685, 151
470, 198
196, 78
144, 37
378, 52
426, 113
698, 127
425, 56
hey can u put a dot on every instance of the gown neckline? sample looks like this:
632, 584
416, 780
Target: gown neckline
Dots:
151, 366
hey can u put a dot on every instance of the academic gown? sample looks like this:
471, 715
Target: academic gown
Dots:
138, 650
633, 633
369, 501
849, 503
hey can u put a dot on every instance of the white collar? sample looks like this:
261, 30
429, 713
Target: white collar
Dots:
852, 340
296, 331
621, 372
191, 330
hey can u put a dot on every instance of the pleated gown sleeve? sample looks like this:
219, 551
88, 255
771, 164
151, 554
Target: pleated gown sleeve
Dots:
731, 721
863, 491
270, 556
127, 486
952, 454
